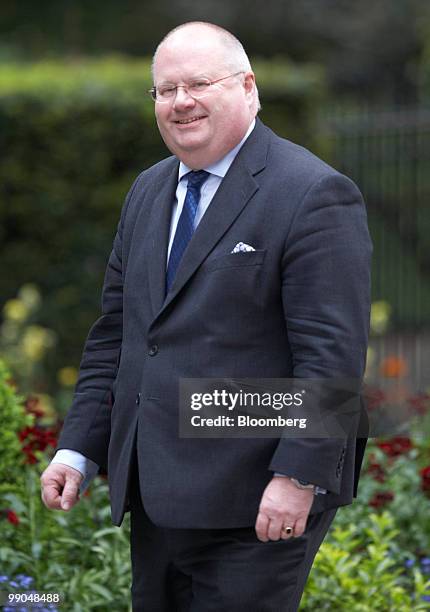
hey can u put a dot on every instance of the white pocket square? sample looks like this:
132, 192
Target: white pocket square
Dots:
241, 247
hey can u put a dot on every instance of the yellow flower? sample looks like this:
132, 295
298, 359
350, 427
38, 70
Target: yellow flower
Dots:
15, 310
36, 340
30, 295
67, 376
380, 316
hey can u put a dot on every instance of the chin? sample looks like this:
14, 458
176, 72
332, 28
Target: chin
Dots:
191, 143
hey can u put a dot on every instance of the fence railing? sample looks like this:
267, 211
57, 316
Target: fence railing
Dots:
388, 154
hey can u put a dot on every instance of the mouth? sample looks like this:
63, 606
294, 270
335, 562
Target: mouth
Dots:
189, 120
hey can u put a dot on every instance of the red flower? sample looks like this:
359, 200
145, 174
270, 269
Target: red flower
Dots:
36, 438
374, 398
31, 404
29, 454
376, 471
425, 479
420, 403
12, 517
399, 445
381, 499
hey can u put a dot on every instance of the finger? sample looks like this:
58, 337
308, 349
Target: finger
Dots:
300, 527
284, 534
261, 526
51, 496
70, 494
275, 529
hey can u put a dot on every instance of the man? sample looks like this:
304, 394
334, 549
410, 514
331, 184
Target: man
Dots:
242, 255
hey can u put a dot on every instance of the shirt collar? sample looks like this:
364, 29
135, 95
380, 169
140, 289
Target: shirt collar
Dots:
220, 167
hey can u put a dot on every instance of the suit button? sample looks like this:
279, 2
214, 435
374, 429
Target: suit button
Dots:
138, 399
153, 350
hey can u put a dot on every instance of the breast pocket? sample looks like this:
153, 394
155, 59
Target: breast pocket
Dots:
236, 260
232, 290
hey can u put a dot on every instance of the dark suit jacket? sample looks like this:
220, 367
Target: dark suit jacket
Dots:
296, 306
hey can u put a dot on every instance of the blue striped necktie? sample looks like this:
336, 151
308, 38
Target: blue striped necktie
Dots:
185, 227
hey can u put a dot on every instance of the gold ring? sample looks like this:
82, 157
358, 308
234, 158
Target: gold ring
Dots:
288, 530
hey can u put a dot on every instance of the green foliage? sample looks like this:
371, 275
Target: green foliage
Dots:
290, 95
369, 48
80, 554
13, 418
355, 570
371, 558
402, 480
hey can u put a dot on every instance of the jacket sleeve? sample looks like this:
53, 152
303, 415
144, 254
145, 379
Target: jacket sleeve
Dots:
86, 428
326, 301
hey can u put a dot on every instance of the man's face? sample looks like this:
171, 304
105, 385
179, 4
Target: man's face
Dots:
201, 131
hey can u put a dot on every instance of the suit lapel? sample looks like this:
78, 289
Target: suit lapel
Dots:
235, 191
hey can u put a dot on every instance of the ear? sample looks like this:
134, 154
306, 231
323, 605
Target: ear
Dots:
249, 82
249, 85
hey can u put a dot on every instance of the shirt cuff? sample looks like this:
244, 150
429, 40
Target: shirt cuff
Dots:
85, 466
317, 491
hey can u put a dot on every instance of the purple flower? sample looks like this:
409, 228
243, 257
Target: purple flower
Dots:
4, 578
24, 581
425, 597
409, 562
425, 561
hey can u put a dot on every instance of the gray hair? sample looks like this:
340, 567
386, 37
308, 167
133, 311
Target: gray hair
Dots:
235, 55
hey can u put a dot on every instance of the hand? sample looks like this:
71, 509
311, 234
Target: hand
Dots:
60, 486
282, 505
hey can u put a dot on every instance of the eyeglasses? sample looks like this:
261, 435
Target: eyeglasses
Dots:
197, 88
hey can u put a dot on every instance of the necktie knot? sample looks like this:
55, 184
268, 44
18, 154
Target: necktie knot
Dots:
196, 178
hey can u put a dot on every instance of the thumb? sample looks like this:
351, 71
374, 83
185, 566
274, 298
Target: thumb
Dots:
70, 493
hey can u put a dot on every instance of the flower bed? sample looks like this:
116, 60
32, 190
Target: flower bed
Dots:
376, 556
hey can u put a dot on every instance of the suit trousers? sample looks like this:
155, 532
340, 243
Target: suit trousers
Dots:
218, 570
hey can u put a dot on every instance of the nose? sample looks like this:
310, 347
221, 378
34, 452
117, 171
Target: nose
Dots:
183, 99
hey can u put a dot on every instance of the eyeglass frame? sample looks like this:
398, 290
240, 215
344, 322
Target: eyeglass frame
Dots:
153, 91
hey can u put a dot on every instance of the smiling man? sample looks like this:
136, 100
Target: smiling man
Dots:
202, 130
240, 256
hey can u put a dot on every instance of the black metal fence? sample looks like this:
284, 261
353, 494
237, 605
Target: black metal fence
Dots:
388, 154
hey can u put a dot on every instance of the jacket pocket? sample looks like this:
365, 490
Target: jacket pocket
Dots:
236, 260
